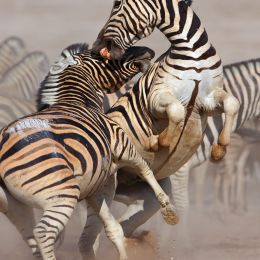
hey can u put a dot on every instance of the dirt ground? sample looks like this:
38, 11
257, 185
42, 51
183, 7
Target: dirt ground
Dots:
233, 27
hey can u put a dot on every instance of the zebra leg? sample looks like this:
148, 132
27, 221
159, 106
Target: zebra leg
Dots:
240, 197
100, 202
230, 107
89, 239
131, 158
175, 112
57, 212
142, 204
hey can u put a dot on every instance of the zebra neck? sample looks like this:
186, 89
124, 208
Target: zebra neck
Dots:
188, 38
68, 94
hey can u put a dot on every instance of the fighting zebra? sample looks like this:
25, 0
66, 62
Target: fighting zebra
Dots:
23, 80
11, 52
187, 78
68, 150
242, 79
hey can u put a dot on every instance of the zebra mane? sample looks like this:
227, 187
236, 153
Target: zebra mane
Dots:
47, 94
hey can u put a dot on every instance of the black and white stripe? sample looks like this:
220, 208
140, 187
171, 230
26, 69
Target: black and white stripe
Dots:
24, 78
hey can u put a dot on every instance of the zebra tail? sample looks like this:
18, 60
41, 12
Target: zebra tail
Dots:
3, 197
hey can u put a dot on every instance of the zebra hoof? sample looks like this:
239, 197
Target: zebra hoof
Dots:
169, 215
218, 152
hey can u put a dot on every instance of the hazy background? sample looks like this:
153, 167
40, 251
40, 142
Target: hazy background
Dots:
233, 27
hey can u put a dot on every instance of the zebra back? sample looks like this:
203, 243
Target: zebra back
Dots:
23, 79
11, 52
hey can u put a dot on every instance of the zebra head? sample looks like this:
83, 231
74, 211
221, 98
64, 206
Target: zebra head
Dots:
130, 21
80, 71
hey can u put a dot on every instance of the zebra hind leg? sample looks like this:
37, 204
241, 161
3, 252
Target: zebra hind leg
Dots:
55, 217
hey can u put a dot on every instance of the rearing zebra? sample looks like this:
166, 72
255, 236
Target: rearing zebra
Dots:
186, 78
66, 152
243, 81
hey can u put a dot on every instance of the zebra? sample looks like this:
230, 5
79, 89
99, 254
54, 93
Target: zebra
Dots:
12, 50
230, 178
23, 79
66, 151
242, 79
188, 77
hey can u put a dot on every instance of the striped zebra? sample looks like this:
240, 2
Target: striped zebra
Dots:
11, 52
67, 151
242, 79
23, 80
187, 78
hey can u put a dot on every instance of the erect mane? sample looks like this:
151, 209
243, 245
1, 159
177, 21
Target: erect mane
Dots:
48, 87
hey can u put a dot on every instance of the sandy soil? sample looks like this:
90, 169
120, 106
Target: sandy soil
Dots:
233, 27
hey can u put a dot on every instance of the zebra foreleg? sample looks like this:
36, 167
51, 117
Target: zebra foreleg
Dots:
230, 106
142, 204
175, 112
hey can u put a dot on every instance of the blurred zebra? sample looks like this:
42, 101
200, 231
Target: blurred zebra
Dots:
230, 179
12, 50
23, 80
67, 151
14, 108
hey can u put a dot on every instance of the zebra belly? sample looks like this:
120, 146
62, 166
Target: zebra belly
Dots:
169, 160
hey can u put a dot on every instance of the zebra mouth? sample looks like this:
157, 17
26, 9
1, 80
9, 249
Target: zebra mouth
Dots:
108, 49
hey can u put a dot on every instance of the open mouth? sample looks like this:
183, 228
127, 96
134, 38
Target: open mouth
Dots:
108, 49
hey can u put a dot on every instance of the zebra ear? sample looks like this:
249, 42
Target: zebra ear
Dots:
62, 64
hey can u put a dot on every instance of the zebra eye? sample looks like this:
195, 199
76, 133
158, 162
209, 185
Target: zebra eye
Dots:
117, 4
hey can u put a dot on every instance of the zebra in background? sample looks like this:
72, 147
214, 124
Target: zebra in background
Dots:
230, 179
70, 148
23, 79
12, 50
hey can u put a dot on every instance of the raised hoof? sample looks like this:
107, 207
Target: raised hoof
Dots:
218, 152
169, 215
